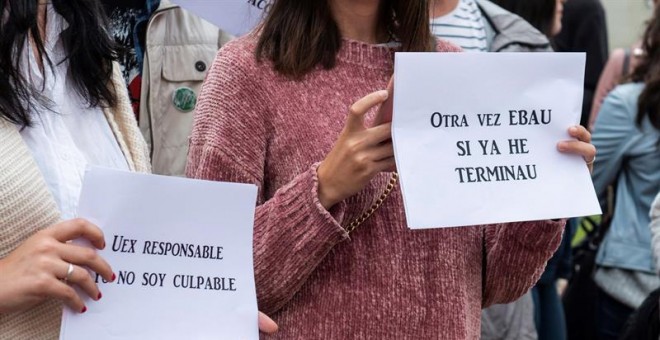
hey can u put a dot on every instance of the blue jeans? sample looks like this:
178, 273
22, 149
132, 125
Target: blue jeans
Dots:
548, 312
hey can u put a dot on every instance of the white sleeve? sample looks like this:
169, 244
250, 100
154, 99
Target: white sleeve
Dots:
655, 231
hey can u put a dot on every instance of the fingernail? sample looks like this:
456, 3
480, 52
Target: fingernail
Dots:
573, 129
561, 146
103, 246
384, 94
113, 277
83, 310
99, 297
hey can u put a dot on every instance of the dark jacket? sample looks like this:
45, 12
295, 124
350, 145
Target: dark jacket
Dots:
507, 32
584, 29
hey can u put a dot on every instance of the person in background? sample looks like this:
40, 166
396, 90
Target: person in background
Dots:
165, 57
620, 65
655, 230
63, 107
644, 323
585, 30
549, 318
289, 109
481, 26
544, 15
627, 132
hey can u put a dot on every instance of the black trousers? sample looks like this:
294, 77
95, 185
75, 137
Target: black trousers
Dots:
611, 316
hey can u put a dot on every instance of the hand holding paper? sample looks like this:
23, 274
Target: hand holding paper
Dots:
580, 146
266, 324
477, 137
384, 114
182, 251
46, 266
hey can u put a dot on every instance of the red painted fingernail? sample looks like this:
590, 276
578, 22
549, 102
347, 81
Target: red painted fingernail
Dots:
83, 310
100, 296
113, 277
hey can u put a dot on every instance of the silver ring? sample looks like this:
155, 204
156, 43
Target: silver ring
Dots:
592, 161
69, 272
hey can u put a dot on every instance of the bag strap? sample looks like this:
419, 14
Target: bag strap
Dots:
625, 69
604, 225
484, 263
597, 230
386, 193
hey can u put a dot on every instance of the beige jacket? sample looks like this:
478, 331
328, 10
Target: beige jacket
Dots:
180, 48
26, 205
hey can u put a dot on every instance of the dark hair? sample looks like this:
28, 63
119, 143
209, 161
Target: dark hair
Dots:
648, 72
539, 13
88, 46
298, 35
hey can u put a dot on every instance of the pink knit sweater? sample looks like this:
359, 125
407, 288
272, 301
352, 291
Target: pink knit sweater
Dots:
382, 282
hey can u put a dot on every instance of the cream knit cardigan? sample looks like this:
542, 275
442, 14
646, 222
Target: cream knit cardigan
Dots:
26, 205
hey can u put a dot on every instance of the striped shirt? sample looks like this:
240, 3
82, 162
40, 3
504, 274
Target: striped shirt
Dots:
464, 27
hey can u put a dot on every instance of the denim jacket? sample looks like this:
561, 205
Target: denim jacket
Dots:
628, 156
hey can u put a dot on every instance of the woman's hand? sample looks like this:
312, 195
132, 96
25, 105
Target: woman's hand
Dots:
582, 146
562, 285
266, 324
359, 154
46, 266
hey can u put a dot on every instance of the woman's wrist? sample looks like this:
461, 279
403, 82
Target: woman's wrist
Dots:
4, 308
327, 196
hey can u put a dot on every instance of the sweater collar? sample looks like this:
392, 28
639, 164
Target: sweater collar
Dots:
380, 56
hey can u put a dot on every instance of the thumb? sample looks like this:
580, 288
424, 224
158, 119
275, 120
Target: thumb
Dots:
266, 324
355, 120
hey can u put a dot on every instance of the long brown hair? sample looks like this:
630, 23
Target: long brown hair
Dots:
298, 35
648, 72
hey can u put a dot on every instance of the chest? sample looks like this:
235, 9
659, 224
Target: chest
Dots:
306, 118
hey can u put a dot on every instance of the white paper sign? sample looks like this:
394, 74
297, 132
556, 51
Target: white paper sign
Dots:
182, 251
475, 137
234, 16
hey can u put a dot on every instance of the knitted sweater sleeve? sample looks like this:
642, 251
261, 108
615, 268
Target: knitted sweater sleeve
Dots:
515, 257
292, 232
